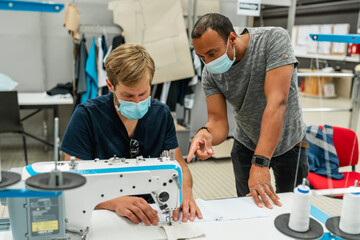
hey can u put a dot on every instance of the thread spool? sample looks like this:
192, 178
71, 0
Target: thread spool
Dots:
350, 213
300, 212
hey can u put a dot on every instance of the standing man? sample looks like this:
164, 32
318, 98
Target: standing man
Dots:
256, 73
126, 123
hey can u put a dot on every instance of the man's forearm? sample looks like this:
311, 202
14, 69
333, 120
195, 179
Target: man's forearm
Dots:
188, 183
218, 130
271, 130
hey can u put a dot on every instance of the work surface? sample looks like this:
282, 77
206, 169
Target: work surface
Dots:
41, 98
256, 223
237, 218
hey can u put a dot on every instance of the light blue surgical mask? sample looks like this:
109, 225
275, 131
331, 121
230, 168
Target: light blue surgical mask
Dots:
222, 64
133, 110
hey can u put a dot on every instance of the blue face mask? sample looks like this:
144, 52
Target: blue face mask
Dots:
222, 64
133, 110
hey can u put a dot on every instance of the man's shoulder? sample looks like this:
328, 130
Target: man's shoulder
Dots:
265, 30
157, 106
96, 102
264, 34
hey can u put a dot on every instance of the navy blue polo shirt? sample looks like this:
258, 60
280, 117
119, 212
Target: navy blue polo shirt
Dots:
96, 131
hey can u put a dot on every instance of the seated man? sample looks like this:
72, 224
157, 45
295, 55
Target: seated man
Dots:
126, 123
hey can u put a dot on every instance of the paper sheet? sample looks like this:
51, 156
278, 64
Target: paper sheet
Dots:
224, 210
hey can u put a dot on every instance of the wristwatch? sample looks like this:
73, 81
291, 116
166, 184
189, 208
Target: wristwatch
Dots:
260, 161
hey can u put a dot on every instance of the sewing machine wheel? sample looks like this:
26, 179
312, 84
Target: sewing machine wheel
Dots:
70, 181
9, 178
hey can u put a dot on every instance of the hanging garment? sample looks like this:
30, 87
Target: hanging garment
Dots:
91, 74
100, 63
117, 41
80, 73
105, 90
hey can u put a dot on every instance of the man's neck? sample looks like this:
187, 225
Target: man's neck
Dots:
241, 46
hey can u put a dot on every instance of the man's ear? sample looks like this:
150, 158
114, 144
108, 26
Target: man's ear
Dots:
232, 37
109, 85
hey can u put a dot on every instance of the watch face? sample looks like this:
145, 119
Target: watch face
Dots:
259, 161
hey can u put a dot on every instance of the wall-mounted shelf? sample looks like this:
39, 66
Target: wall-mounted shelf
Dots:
329, 57
324, 74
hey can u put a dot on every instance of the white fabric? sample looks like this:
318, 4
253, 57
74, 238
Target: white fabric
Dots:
101, 71
180, 230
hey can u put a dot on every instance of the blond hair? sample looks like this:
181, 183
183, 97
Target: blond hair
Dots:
129, 64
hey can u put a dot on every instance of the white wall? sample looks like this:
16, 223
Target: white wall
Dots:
36, 50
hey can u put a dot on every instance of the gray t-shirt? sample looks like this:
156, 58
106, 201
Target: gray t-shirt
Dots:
243, 87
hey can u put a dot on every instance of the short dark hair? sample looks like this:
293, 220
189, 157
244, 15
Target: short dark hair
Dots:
217, 22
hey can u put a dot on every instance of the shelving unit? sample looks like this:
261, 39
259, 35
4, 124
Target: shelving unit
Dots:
321, 74
355, 98
329, 57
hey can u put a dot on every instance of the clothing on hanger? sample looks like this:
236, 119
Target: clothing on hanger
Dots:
80, 72
91, 74
100, 63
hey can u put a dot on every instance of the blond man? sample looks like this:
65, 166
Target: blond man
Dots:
127, 123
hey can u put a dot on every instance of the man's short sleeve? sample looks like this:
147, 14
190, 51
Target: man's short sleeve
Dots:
279, 51
208, 84
78, 140
170, 138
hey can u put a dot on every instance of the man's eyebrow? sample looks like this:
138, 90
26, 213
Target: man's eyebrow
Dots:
211, 50
208, 52
143, 92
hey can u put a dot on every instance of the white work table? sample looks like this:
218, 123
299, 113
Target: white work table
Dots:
107, 225
41, 98
38, 101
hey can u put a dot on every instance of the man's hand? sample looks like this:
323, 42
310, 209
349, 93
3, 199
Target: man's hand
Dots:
260, 184
201, 146
134, 208
188, 205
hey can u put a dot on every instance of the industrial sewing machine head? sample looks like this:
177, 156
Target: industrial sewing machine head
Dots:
108, 179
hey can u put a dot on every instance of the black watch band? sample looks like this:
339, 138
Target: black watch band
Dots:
260, 161
201, 129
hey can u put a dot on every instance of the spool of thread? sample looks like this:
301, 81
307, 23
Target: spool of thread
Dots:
300, 212
350, 213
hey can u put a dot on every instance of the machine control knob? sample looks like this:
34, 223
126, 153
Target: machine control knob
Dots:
73, 164
164, 196
172, 154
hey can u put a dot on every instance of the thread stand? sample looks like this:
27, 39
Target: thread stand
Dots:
9, 178
346, 226
298, 224
56, 180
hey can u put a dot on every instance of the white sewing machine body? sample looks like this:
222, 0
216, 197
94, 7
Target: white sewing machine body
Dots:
107, 179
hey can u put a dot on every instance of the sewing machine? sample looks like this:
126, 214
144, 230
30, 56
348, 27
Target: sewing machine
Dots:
105, 180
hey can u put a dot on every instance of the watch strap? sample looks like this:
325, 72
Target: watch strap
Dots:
260, 160
203, 128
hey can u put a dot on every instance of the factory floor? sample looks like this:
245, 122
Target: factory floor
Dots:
212, 178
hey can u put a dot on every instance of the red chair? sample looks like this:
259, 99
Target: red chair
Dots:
347, 150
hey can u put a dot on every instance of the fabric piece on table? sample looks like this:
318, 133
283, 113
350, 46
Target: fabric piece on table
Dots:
180, 230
